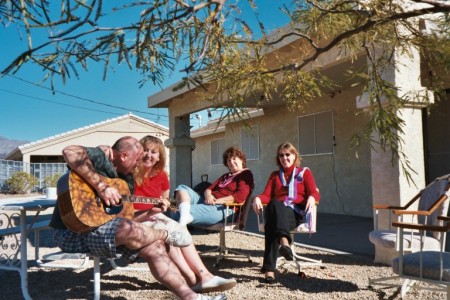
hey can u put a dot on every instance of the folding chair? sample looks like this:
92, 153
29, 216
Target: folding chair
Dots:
237, 223
299, 261
433, 203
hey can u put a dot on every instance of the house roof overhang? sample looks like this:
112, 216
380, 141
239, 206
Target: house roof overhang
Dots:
332, 64
217, 125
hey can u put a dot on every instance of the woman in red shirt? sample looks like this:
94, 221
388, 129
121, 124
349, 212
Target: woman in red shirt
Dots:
209, 208
289, 192
151, 181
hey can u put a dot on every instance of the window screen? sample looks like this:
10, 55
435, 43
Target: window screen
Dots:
316, 133
217, 148
250, 142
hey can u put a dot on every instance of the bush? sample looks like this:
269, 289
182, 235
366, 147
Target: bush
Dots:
52, 180
21, 183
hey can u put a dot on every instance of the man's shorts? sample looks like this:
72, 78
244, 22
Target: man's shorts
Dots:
98, 242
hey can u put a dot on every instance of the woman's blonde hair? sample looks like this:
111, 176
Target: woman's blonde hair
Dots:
288, 146
147, 141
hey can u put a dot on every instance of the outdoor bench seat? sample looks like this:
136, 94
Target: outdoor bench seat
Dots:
59, 259
49, 261
16, 229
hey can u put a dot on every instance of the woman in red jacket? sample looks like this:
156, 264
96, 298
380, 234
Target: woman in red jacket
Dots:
290, 191
209, 208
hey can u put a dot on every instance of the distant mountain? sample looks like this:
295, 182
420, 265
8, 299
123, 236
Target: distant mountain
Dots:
7, 146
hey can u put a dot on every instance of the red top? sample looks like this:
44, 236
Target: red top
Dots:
238, 186
306, 186
151, 187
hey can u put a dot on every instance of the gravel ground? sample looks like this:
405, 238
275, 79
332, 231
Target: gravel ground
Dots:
342, 277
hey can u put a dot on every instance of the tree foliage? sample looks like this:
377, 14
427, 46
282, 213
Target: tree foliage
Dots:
215, 44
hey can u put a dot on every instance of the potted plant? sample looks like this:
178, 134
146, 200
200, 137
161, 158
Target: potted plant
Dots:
50, 185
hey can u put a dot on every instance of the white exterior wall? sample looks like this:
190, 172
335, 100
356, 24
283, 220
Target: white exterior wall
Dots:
344, 179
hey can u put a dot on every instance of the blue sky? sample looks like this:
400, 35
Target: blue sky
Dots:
29, 112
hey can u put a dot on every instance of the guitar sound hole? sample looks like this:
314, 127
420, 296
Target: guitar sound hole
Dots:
113, 210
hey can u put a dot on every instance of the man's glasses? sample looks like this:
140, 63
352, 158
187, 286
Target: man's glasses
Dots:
281, 155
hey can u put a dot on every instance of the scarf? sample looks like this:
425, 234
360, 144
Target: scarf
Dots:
292, 195
291, 185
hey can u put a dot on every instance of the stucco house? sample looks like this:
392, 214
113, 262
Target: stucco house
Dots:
44, 157
49, 149
350, 179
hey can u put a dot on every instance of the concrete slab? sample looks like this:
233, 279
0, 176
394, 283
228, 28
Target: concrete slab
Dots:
343, 233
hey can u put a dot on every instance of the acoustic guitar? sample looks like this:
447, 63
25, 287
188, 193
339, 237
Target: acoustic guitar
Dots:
81, 209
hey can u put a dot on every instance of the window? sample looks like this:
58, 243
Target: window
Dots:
250, 142
38, 170
217, 148
316, 133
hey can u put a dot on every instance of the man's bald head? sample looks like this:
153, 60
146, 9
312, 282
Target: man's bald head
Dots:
127, 153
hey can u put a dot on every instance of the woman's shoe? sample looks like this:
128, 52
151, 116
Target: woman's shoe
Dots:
269, 277
269, 280
286, 252
216, 284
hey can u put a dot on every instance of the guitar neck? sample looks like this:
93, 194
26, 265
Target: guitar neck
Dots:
157, 202
141, 199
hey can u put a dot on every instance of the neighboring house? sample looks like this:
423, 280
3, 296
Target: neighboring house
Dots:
350, 179
49, 150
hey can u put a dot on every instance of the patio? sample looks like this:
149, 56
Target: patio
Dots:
345, 276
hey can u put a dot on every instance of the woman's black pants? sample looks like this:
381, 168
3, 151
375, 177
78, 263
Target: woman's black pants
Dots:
280, 220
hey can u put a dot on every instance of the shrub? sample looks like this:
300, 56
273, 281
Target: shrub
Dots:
52, 180
21, 182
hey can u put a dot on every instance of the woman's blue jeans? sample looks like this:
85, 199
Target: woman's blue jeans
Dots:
203, 214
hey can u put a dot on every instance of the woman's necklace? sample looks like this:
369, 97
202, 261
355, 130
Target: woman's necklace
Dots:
286, 176
229, 177
151, 173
